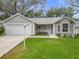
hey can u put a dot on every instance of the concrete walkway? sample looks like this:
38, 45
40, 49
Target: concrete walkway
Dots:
7, 43
51, 36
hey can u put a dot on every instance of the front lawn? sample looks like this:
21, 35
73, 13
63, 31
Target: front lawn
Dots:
37, 48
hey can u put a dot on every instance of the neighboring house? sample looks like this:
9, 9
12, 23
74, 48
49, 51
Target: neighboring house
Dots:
20, 25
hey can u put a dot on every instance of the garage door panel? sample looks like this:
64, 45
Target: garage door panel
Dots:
15, 30
18, 29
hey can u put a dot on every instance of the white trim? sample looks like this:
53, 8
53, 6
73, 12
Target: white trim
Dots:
33, 29
67, 28
54, 29
16, 23
18, 14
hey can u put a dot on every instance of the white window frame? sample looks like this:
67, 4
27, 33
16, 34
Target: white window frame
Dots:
63, 28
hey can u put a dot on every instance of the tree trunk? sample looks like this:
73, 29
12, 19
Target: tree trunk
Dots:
15, 6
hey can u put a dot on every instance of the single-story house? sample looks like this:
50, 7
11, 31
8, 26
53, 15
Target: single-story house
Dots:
21, 25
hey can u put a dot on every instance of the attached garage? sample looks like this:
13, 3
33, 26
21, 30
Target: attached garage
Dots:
14, 29
18, 29
18, 25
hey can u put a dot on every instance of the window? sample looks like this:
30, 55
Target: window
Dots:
44, 27
65, 27
39, 27
58, 28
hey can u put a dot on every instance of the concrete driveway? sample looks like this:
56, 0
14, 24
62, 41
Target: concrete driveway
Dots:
7, 43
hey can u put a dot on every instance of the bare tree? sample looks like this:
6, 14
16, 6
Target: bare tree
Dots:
21, 6
74, 4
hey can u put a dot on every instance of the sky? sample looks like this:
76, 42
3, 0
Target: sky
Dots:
55, 4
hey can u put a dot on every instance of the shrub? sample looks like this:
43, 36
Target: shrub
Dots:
1, 30
77, 36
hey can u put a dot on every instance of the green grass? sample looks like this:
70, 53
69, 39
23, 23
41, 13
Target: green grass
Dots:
37, 48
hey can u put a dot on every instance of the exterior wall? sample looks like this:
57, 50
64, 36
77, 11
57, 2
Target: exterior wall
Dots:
70, 27
33, 28
50, 29
77, 30
53, 28
76, 27
20, 20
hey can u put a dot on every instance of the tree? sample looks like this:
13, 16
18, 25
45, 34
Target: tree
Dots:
32, 14
38, 13
21, 6
29, 14
4, 16
50, 13
0, 5
73, 2
58, 12
69, 12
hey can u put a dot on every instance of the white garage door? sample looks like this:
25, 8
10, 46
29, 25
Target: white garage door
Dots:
18, 29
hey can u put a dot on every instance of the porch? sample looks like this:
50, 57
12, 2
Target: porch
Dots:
45, 29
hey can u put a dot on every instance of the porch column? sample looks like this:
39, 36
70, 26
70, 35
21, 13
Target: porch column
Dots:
54, 29
34, 28
74, 32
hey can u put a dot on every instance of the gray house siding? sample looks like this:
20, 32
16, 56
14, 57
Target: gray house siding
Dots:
19, 20
70, 27
49, 25
77, 30
76, 27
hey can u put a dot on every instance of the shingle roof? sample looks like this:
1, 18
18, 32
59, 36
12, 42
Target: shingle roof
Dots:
40, 20
45, 20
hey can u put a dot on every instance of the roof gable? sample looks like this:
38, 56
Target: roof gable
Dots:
65, 19
16, 15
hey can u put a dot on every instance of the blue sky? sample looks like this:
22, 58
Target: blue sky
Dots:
55, 4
